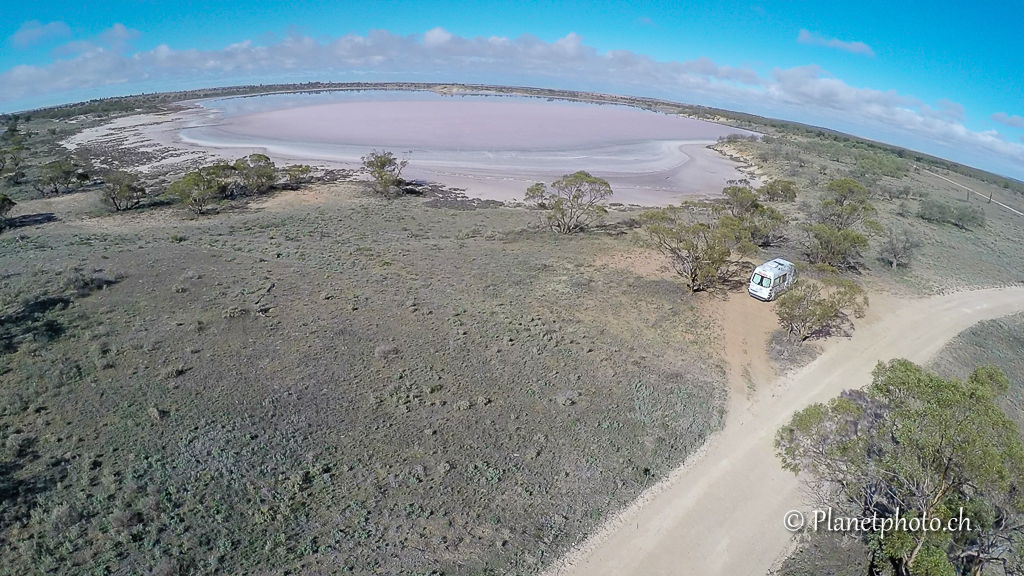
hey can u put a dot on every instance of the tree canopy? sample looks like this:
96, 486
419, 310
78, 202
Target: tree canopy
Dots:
846, 205
573, 202
700, 242
122, 190
919, 445
811, 308
762, 225
257, 172
198, 189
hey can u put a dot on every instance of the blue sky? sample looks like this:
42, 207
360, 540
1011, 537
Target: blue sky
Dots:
946, 78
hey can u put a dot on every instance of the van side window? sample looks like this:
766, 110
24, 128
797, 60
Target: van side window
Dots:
781, 280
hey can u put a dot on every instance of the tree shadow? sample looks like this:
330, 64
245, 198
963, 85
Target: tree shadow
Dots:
618, 228
842, 326
18, 495
737, 280
29, 220
34, 322
30, 323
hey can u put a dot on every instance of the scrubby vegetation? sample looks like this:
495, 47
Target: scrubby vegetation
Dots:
334, 388
839, 248
6, 205
898, 247
990, 343
778, 191
198, 189
247, 177
60, 176
298, 173
257, 172
762, 225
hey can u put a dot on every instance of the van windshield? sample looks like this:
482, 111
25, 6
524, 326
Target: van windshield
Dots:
758, 280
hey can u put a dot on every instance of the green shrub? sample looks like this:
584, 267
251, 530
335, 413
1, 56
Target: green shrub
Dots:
778, 191
836, 247
962, 216
846, 205
880, 164
935, 211
385, 170
968, 217
257, 172
742, 200
197, 190
298, 173
59, 176
898, 247
762, 225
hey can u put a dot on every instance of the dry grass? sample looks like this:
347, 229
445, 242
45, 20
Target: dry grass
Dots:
341, 384
949, 259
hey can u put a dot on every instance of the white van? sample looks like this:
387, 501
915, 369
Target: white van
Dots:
771, 279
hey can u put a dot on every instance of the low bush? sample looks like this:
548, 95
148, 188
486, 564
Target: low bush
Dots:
197, 190
778, 191
898, 247
257, 172
964, 217
836, 247
386, 171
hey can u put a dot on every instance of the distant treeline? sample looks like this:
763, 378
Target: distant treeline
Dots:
876, 150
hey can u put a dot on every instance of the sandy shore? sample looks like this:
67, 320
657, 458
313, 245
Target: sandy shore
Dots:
492, 147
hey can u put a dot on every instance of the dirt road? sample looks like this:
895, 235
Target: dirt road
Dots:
722, 511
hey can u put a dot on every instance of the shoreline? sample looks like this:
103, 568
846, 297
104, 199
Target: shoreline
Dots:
652, 173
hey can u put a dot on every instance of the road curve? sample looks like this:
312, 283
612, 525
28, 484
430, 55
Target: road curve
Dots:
722, 511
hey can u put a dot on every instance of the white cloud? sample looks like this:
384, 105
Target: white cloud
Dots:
34, 31
950, 109
74, 47
806, 93
1011, 121
117, 38
436, 37
808, 37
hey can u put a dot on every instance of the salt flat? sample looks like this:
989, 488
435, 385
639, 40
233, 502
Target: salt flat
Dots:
494, 147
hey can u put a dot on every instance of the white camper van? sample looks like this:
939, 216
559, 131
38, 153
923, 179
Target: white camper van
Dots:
772, 279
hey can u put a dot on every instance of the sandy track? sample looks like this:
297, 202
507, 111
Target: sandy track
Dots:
722, 511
